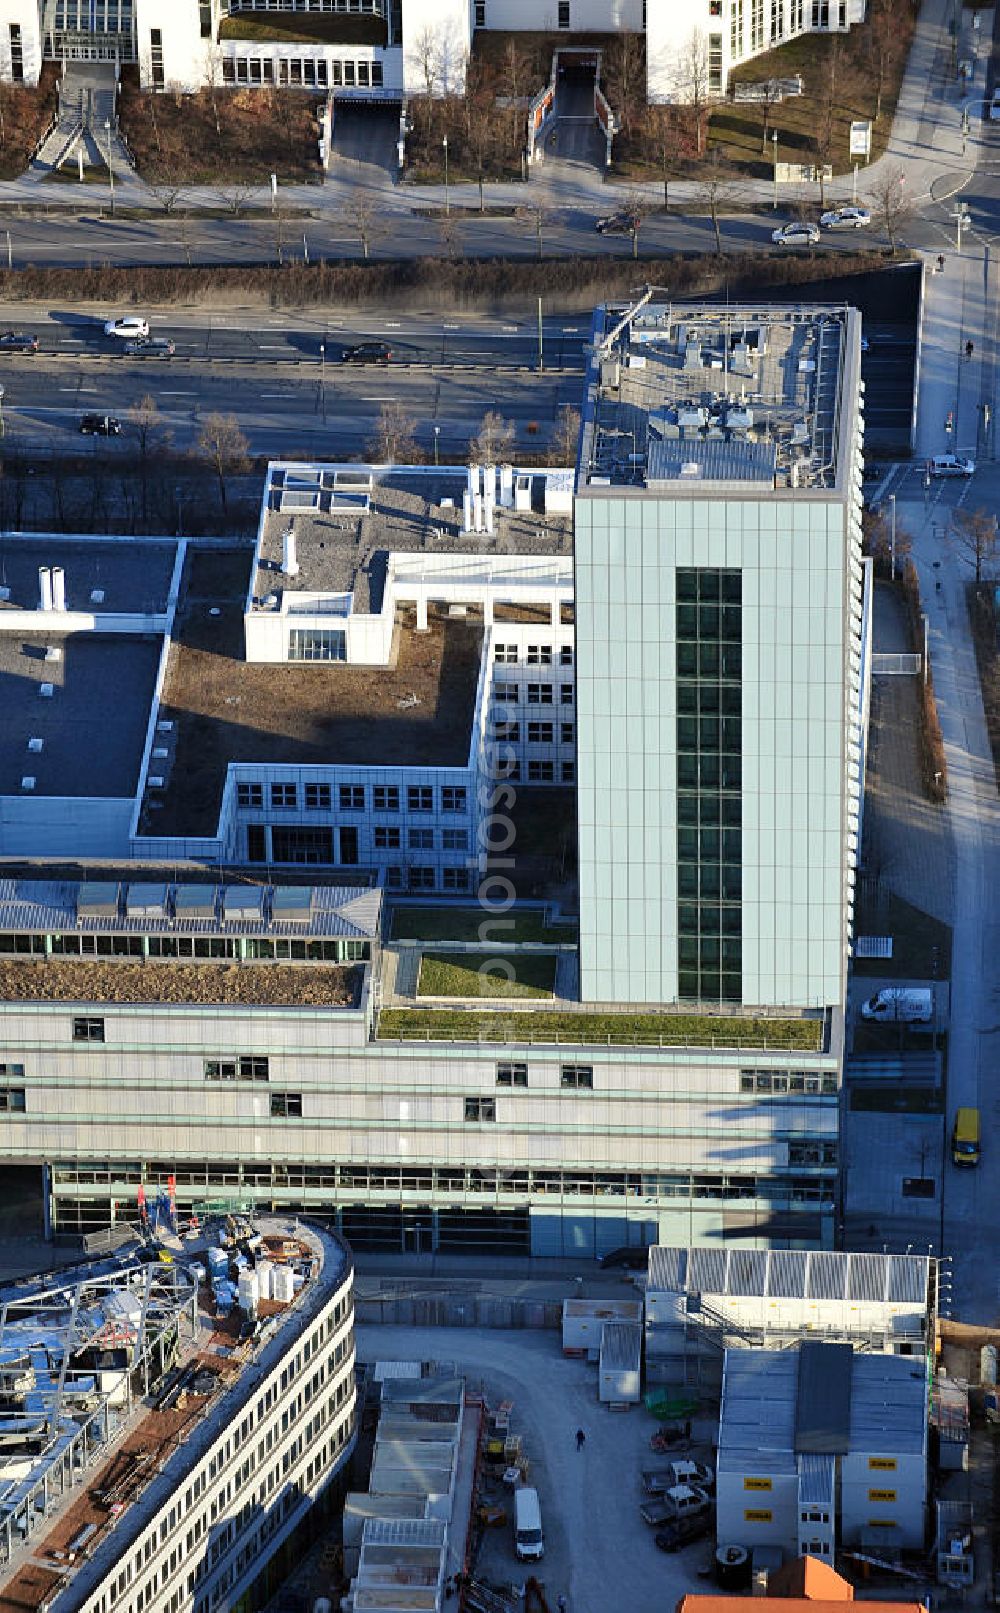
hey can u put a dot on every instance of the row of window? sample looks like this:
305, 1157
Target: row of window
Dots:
249, 1067
793, 1081
537, 733
309, 72
579, 1076
458, 1179
534, 655
354, 797
536, 694
387, 837
187, 946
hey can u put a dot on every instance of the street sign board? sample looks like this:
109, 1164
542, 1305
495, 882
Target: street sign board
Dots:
861, 139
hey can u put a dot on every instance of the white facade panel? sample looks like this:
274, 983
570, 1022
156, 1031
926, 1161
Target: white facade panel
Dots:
20, 37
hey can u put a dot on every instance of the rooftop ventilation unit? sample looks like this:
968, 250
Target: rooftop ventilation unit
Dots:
97, 596
155, 781
28, 782
44, 588
165, 727
53, 654
291, 904
242, 903
97, 899
146, 901
690, 469
58, 589
195, 901
35, 745
45, 690
289, 557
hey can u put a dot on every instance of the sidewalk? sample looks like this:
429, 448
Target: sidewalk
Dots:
926, 142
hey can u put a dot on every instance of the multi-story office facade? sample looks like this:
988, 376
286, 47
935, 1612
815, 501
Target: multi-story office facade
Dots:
370, 49
348, 696
184, 1505
721, 635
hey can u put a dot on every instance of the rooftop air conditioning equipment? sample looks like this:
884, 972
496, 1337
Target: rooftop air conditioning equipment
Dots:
289, 558
53, 654
690, 469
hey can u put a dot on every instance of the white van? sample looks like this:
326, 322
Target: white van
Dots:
528, 1540
906, 1005
951, 465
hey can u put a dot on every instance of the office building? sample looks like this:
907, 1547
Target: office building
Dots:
167, 1445
321, 735
370, 50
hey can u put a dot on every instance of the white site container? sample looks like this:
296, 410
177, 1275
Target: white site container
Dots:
264, 1273
620, 1372
583, 1320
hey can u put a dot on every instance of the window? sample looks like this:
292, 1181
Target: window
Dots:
286, 1105
507, 732
539, 694
454, 839
539, 655
507, 653
88, 1029
480, 1109
480, 21
455, 879
566, 694
283, 795
421, 879
569, 772
715, 62
453, 798
387, 839
512, 1075
12, 1100
506, 693
578, 1076
317, 644
155, 57
248, 1067
562, 19
352, 798
420, 798
421, 839
318, 797
250, 795
256, 843
567, 733
394, 878
540, 733
385, 798
12, 1071
348, 837
307, 847
566, 655
541, 772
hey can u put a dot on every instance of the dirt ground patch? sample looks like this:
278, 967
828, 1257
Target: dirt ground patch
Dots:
415, 712
89, 980
226, 136
25, 116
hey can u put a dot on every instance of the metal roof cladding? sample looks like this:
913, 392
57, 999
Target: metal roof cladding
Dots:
823, 1398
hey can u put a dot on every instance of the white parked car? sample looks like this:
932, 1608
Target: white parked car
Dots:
846, 218
995, 107
951, 465
796, 235
129, 326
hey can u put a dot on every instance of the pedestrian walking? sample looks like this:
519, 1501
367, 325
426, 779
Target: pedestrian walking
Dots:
562, 1604
581, 1439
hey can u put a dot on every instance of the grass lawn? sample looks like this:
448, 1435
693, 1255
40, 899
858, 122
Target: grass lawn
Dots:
450, 974
301, 28
174, 139
464, 924
914, 938
738, 129
672, 1030
26, 115
69, 174
985, 620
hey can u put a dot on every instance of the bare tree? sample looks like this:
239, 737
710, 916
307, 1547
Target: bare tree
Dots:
167, 195
222, 445
890, 202
366, 217
566, 435
393, 440
235, 198
636, 209
451, 239
671, 137
623, 78
885, 42
424, 56
717, 191
214, 57
973, 534
692, 80
494, 442
539, 216
827, 107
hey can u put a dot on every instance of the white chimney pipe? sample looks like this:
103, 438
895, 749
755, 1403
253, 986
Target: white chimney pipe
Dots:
58, 588
488, 506
490, 481
466, 511
289, 558
507, 486
477, 502
44, 588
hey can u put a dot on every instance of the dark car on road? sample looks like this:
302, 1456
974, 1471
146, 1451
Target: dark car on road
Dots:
100, 425
617, 224
632, 1257
682, 1531
368, 353
15, 341
149, 347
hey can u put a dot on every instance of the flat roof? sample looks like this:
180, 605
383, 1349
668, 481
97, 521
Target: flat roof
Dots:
687, 396
92, 981
143, 907
93, 725
347, 518
130, 576
152, 1446
415, 712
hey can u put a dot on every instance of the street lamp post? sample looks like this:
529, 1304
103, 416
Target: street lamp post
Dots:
854, 187
111, 172
774, 145
3, 428
447, 195
10, 252
892, 535
437, 433
322, 380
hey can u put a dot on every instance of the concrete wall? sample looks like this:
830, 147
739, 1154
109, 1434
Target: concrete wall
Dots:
756, 1516
186, 56
880, 1495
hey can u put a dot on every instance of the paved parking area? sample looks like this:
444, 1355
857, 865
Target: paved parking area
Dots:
598, 1552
